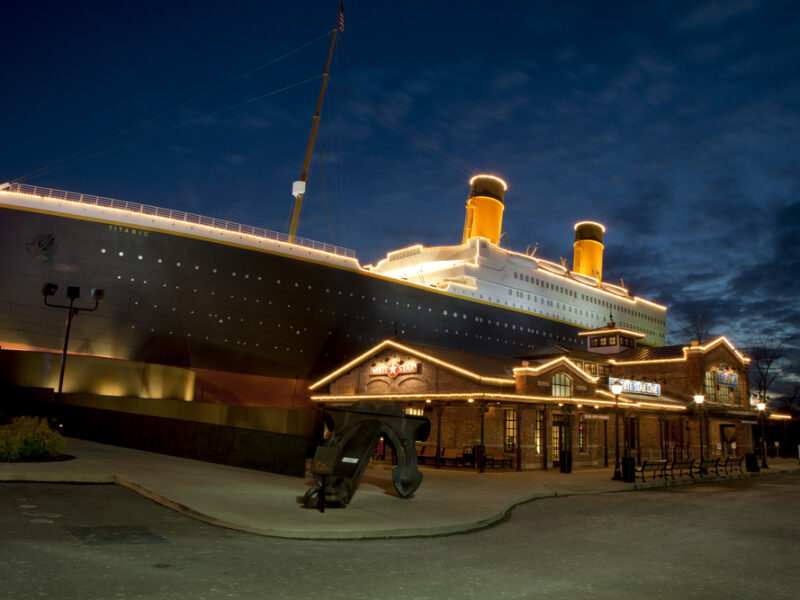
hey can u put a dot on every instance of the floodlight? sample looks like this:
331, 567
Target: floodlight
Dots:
49, 289
73, 292
98, 294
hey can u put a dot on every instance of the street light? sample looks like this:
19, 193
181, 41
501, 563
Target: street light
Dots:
762, 407
699, 399
73, 293
616, 389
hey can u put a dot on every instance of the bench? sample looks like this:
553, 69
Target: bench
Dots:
707, 465
452, 455
656, 467
495, 458
731, 463
680, 466
425, 454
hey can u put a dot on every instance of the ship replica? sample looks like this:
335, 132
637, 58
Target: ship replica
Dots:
266, 312
220, 298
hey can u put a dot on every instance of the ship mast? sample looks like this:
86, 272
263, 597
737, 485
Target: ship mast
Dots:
299, 187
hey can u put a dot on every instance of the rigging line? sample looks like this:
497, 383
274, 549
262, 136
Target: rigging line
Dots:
189, 122
206, 94
415, 136
325, 197
331, 132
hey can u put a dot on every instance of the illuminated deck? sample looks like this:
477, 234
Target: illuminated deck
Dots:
177, 216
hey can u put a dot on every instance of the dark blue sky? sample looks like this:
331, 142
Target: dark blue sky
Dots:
674, 123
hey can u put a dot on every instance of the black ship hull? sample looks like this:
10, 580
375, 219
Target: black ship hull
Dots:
192, 302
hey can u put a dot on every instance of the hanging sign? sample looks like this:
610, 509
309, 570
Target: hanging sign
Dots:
394, 369
726, 378
636, 387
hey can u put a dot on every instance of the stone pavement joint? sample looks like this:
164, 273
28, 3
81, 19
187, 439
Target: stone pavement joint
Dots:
449, 501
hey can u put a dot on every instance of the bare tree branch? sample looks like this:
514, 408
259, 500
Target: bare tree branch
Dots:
695, 326
764, 361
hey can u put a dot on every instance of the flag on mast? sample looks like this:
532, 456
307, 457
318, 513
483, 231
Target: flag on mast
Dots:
340, 20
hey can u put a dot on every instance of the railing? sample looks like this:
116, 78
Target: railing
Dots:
178, 215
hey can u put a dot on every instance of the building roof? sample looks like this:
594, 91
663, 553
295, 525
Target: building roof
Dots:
486, 366
612, 327
645, 353
484, 369
555, 350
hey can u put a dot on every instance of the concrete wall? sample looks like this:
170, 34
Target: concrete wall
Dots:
269, 439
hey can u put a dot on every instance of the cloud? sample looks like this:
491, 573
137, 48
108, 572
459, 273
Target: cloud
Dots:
714, 14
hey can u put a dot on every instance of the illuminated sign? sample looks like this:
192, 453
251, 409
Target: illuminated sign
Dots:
394, 369
726, 378
636, 387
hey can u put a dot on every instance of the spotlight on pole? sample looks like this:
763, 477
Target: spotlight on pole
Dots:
699, 399
616, 389
73, 293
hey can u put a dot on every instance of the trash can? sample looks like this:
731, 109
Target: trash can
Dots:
565, 461
628, 469
751, 462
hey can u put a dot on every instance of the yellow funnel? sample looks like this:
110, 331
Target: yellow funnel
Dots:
589, 249
484, 208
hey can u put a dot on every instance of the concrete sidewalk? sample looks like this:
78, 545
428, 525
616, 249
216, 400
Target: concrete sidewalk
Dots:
448, 501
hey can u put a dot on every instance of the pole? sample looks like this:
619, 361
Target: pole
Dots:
481, 449
617, 470
439, 413
64, 351
764, 464
519, 437
298, 201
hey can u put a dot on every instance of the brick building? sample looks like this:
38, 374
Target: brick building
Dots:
554, 400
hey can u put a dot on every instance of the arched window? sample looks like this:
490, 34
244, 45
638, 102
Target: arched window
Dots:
709, 386
561, 385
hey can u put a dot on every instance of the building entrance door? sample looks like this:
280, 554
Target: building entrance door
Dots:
727, 433
558, 440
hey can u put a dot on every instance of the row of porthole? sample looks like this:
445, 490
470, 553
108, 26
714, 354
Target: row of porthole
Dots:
309, 287
296, 284
445, 313
479, 319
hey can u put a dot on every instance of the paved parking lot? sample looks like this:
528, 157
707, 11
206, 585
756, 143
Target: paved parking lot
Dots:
730, 539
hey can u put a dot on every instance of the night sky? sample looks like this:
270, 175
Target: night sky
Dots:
676, 124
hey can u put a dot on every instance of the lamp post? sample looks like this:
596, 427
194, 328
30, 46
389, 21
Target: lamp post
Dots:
73, 293
762, 407
616, 389
699, 399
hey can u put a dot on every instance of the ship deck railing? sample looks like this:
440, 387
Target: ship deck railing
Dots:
178, 215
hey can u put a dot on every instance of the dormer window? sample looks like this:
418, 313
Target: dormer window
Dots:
561, 385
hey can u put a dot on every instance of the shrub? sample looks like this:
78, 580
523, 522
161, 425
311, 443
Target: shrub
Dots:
27, 438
